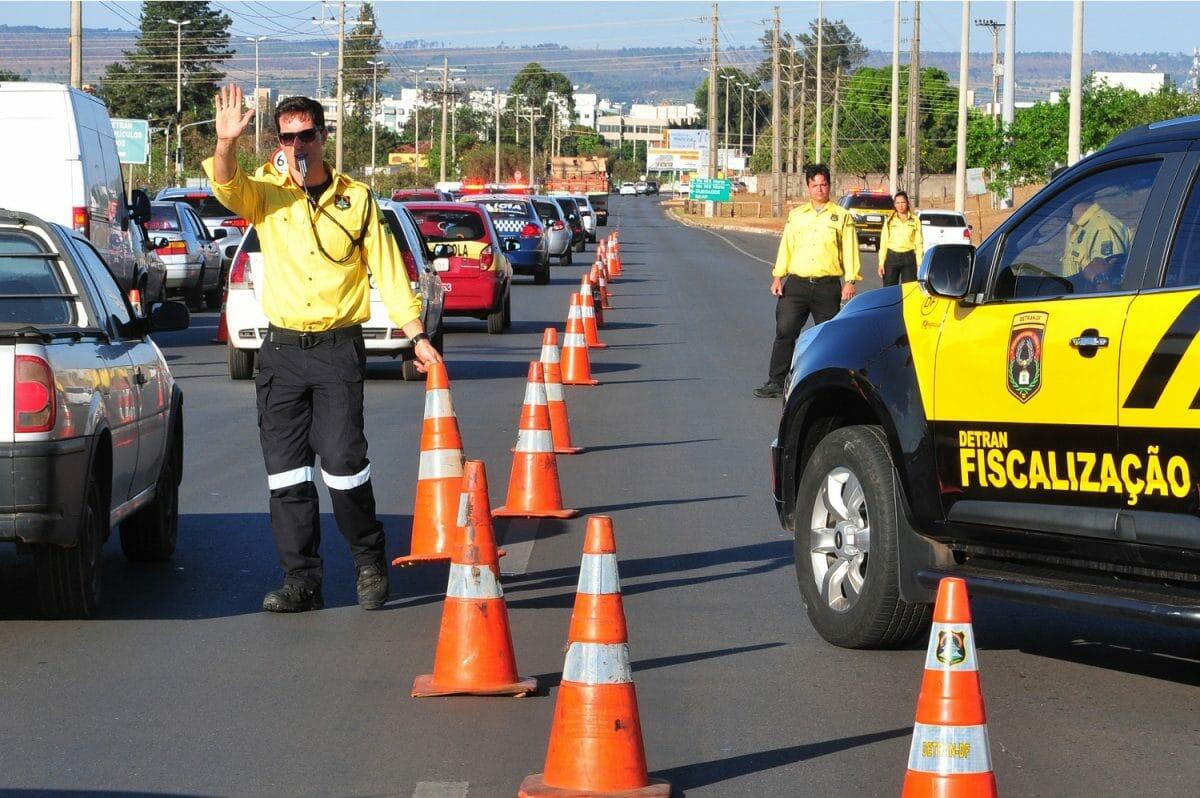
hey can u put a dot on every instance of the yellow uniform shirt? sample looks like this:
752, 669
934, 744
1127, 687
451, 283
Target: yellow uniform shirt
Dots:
818, 244
1097, 234
307, 289
901, 235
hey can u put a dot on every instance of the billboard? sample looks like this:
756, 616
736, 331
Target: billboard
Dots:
687, 139
670, 159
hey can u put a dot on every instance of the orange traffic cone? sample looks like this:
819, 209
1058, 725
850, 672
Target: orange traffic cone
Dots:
222, 335
439, 478
596, 744
950, 756
600, 247
600, 280
533, 488
556, 401
474, 651
576, 367
587, 315
589, 288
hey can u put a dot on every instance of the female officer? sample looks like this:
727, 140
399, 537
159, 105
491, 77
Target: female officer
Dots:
900, 245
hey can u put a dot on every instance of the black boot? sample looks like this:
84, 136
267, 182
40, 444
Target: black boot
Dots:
769, 390
372, 586
293, 598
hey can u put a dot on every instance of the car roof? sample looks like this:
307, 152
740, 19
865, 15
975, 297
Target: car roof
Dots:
440, 205
1182, 127
176, 191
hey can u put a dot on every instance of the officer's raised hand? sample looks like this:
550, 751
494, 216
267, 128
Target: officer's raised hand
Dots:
231, 120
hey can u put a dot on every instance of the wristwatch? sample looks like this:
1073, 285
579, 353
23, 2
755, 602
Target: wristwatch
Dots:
418, 338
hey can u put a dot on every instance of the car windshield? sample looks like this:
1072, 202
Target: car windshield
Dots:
204, 204
506, 209
548, 211
29, 284
868, 202
163, 216
569, 208
437, 226
943, 220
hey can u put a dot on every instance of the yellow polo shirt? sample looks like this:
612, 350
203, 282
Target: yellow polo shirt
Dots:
1097, 234
818, 244
901, 235
306, 288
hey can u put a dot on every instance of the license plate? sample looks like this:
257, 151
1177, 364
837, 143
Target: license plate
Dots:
874, 218
441, 264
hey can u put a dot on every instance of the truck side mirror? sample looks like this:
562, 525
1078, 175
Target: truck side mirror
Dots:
946, 270
139, 206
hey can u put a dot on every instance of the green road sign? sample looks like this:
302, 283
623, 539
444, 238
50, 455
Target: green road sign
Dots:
133, 140
703, 188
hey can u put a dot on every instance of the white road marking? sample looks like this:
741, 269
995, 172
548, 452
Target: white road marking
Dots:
441, 789
735, 246
519, 536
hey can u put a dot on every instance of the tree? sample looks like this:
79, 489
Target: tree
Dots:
144, 85
8, 75
736, 124
479, 163
363, 45
534, 83
840, 47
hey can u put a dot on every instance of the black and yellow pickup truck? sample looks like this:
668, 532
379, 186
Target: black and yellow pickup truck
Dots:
1026, 416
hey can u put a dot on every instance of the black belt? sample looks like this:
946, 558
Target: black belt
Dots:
307, 340
825, 279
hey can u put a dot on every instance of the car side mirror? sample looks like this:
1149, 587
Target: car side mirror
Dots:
511, 245
159, 242
139, 206
946, 270
220, 232
169, 317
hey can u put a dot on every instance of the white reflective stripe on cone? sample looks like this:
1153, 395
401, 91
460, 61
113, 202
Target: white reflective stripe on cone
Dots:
335, 482
549, 354
598, 574
462, 509
441, 464
535, 393
574, 341
554, 392
951, 648
573, 313
534, 441
597, 663
473, 582
285, 479
589, 312
947, 750
438, 404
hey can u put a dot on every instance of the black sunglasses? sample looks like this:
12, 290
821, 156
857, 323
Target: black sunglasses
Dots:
304, 136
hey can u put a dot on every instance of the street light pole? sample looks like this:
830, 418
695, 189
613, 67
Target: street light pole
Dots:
257, 110
727, 79
497, 103
319, 57
742, 118
178, 90
374, 112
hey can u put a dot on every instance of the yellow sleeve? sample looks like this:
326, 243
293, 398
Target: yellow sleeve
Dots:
786, 245
919, 243
850, 264
383, 258
241, 195
883, 242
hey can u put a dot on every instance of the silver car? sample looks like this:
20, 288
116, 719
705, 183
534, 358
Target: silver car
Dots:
191, 255
588, 214
224, 225
558, 233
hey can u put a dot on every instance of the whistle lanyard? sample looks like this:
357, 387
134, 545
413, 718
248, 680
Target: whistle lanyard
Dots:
355, 242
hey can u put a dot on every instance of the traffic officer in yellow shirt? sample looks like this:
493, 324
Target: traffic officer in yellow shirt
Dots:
1097, 243
320, 233
819, 249
901, 245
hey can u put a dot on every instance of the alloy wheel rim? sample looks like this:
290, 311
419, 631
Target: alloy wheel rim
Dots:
840, 539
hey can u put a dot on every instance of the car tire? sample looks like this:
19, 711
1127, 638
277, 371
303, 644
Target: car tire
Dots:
241, 362
851, 591
194, 295
495, 321
542, 275
69, 578
507, 311
150, 534
566, 259
409, 372
581, 246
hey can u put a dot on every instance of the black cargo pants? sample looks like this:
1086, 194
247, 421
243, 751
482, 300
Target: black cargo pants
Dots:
820, 297
310, 402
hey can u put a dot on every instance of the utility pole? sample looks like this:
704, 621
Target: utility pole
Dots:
894, 143
258, 112
833, 135
994, 27
497, 104
790, 161
728, 80
1010, 73
754, 122
1076, 111
713, 71
912, 128
742, 118
820, 88
960, 160
776, 124
374, 111
803, 116
76, 42
445, 100
341, 96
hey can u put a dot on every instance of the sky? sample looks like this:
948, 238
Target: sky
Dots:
1125, 27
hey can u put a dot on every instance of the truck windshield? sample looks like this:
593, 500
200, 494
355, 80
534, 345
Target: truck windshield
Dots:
31, 289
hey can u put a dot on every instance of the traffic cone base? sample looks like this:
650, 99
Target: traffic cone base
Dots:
535, 786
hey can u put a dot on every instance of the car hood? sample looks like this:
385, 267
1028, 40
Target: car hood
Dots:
879, 298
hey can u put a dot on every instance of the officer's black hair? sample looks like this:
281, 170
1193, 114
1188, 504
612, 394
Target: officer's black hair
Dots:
304, 106
900, 194
811, 170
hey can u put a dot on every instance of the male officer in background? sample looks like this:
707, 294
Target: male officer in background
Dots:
320, 233
1096, 243
819, 249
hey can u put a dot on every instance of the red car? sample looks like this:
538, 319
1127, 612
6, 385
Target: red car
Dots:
470, 258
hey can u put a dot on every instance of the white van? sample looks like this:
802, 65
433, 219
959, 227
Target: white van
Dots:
63, 167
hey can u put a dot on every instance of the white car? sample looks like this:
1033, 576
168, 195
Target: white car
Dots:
587, 214
247, 324
628, 189
944, 227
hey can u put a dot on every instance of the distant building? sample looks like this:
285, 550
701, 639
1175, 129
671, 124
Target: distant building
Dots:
585, 110
676, 114
408, 155
1141, 82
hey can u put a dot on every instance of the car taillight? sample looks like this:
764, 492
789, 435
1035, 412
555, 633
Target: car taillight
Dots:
531, 230
81, 221
34, 398
173, 248
410, 265
237, 221
486, 257
240, 273
558, 225
967, 234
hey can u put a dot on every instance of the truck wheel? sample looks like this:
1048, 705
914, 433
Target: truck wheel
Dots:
149, 535
566, 259
846, 543
68, 579
408, 370
542, 276
241, 362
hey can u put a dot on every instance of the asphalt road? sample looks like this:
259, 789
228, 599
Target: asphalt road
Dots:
183, 686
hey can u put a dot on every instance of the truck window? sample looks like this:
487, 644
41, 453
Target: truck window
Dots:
28, 285
1183, 269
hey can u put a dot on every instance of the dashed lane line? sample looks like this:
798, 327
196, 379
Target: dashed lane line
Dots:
441, 789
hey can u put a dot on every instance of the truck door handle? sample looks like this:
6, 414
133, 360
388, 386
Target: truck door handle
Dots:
1088, 341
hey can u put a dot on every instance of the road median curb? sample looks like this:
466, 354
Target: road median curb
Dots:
729, 227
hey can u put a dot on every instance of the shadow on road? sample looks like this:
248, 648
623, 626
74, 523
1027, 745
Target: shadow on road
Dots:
616, 446
703, 774
547, 681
